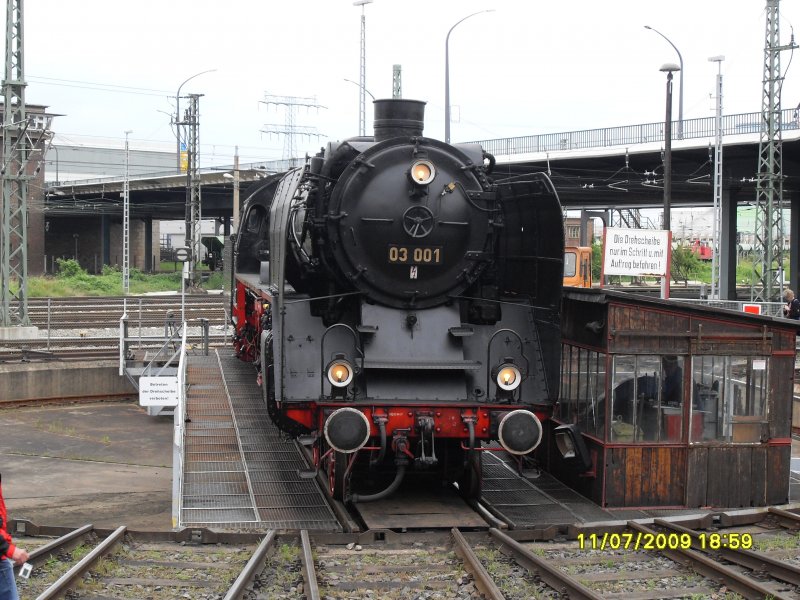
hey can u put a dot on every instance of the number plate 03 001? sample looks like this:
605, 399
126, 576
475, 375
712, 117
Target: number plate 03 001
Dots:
415, 255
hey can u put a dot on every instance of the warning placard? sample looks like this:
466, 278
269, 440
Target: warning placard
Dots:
158, 391
636, 252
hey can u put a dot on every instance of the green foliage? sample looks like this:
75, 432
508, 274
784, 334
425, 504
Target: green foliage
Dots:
685, 264
72, 280
597, 260
68, 267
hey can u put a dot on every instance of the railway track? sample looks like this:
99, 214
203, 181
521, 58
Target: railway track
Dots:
88, 328
680, 559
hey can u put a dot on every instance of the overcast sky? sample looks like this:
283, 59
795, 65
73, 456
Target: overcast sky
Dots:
527, 67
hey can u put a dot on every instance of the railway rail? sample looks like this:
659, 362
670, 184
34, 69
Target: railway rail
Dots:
81, 328
687, 557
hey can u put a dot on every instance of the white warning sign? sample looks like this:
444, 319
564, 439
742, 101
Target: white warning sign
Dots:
158, 391
636, 252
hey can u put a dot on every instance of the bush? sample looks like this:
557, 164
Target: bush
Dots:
68, 267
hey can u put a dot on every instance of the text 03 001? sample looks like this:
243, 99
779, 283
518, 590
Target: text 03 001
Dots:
415, 255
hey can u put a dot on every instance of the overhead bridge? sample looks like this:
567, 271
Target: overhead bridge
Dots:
594, 169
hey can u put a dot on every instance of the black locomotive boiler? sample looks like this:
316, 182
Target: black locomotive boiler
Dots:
402, 305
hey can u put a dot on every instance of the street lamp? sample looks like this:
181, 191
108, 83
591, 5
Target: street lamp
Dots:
54, 148
359, 85
362, 101
680, 98
447, 74
178, 114
669, 69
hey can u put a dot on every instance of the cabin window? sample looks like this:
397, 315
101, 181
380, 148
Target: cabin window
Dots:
583, 378
729, 398
255, 218
570, 264
647, 399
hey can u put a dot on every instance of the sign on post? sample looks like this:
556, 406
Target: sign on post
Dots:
636, 252
182, 254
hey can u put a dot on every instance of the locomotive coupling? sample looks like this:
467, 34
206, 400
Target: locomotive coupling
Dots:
347, 430
520, 431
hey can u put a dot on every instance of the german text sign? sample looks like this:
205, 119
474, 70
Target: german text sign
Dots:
158, 391
636, 252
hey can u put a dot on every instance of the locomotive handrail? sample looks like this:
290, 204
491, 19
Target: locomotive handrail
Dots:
310, 298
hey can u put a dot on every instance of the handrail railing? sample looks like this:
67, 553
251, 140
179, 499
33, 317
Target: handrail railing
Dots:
737, 124
179, 432
768, 309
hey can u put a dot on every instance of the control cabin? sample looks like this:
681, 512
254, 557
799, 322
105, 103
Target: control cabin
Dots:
670, 404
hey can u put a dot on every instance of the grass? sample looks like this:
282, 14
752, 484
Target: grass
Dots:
781, 542
72, 280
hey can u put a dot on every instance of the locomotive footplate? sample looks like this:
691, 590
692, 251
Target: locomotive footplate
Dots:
415, 508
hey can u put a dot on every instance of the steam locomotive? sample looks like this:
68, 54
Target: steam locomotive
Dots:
402, 306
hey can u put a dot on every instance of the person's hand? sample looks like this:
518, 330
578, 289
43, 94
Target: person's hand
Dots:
20, 556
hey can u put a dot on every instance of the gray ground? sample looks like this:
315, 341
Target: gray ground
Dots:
108, 464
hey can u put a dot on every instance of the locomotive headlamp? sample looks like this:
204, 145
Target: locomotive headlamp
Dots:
422, 172
508, 377
340, 373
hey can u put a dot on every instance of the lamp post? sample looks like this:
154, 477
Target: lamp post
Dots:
669, 69
362, 101
359, 85
680, 97
54, 148
178, 115
447, 74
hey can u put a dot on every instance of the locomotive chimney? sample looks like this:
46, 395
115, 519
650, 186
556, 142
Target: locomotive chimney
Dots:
398, 117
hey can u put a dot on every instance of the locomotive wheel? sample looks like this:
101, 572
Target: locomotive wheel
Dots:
337, 467
469, 483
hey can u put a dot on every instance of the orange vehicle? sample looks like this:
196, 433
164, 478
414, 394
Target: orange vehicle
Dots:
578, 266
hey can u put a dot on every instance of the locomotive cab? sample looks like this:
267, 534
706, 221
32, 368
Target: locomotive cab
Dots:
410, 313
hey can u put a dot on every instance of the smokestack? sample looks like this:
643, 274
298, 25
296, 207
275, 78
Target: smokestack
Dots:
398, 117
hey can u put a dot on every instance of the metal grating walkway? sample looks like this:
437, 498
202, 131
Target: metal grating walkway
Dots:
526, 502
238, 470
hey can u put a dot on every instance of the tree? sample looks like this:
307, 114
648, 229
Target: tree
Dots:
685, 265
597, 260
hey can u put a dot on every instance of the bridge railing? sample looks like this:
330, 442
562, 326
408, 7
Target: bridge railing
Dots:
768, 309
632, 134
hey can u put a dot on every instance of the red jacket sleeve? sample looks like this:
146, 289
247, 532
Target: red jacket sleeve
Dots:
7, 547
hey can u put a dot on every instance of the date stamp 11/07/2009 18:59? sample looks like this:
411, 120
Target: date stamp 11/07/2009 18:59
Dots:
665, 541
